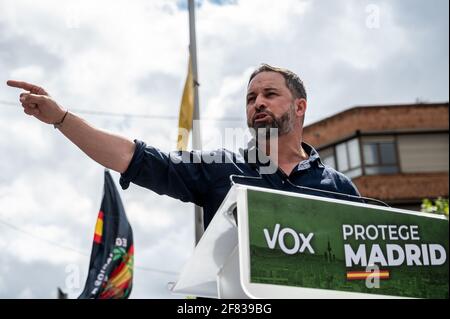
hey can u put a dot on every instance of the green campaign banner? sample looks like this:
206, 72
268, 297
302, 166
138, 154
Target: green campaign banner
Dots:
326, 244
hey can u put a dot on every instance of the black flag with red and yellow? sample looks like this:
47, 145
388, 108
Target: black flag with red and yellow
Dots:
110, 273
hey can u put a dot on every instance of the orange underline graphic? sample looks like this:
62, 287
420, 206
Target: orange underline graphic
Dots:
362, 275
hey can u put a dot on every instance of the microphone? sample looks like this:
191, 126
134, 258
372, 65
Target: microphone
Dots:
311, 189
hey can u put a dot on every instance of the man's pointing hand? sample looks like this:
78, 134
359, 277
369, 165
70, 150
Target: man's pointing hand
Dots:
38, 103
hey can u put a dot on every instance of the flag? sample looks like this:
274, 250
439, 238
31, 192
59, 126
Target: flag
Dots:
61, 294
364, 275
186, 111
110, 273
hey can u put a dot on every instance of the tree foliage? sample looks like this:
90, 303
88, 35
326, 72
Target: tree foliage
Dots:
439, 206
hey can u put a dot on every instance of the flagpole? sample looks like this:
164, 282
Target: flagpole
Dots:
196, 137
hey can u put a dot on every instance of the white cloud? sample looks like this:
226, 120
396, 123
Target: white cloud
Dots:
33, 72
148, 219
26, 249
27, 293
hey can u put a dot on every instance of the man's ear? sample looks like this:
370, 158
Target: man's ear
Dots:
300, 107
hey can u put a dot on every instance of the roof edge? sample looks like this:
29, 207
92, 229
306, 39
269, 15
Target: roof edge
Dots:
357, 107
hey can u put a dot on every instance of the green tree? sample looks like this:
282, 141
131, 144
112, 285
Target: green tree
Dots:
440, 206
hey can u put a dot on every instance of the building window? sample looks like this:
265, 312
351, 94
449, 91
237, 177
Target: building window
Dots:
327, 157
329, 161
353, 153
349, 158
380, 158
342, 157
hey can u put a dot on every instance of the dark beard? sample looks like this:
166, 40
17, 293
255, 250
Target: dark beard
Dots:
283, 124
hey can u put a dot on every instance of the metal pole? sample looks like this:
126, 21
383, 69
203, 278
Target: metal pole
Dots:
196, 137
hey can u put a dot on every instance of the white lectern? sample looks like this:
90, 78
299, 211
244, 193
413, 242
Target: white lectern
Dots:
264, 243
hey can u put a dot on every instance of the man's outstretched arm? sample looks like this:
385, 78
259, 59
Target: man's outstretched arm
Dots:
110, 150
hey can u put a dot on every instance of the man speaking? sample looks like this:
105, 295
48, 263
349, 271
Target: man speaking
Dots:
276, 101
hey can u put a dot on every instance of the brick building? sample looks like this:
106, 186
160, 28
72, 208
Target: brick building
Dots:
396, 153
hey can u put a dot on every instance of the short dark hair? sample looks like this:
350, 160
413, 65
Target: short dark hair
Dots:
293, 81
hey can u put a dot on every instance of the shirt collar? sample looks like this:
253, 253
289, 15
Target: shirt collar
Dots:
313, 156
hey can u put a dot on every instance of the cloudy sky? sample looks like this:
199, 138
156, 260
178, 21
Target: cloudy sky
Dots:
131, 57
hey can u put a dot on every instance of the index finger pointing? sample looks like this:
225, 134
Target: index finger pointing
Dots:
20, 85
27, 86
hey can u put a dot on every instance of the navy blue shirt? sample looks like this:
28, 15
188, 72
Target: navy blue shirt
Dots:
203, 178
